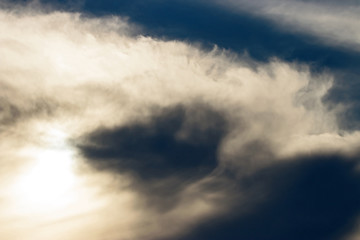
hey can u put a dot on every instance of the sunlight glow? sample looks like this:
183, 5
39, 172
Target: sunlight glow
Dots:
49, 182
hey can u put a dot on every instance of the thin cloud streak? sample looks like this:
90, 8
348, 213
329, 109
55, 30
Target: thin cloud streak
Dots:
334, 24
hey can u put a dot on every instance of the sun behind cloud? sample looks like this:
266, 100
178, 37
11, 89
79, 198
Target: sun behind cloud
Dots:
49, 181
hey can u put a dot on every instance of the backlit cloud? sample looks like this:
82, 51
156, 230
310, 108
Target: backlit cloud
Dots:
106, 133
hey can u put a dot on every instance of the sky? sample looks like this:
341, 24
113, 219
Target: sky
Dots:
179, 120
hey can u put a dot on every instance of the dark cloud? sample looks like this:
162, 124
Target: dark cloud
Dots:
177, 140
315, 197
173, 149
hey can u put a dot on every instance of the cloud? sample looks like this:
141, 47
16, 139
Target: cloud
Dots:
165, 133
203, 22
333, 23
